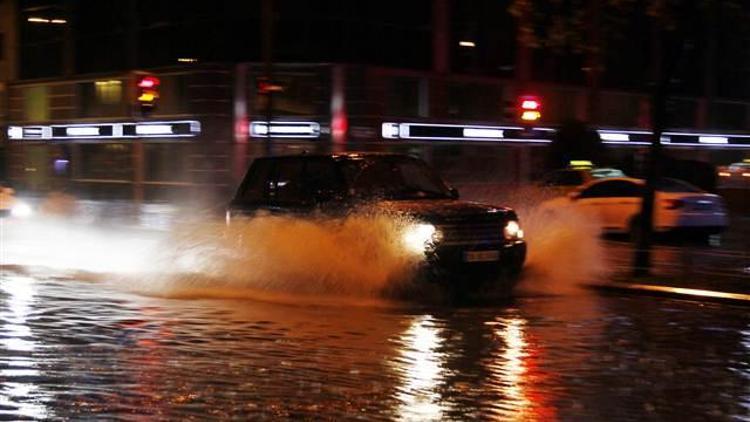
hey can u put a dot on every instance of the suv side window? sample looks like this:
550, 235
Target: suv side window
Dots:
322, 180
287, 187
257, 183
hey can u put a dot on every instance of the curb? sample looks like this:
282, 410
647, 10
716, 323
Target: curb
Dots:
674, 292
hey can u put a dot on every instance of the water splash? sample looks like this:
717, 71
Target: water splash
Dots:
565, 249
360, 256
357, 256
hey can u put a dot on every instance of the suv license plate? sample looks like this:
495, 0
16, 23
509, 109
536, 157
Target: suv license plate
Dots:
481, 256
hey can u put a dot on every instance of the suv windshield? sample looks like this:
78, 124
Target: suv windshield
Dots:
394, 178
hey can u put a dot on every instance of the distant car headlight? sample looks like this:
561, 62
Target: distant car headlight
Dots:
419, 238
21, 210
513, 231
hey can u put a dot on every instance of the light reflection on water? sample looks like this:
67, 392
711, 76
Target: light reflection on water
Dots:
421, 365
19, 397
509, 369
75, 350
745, 369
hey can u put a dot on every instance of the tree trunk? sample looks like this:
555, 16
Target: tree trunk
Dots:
644, 228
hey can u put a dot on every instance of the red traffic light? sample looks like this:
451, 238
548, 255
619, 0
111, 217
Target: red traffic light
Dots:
148, 82
530, 105
146, 93
265, 87
530, 108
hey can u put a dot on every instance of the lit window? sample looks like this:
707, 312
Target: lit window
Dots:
36, 103
108, 92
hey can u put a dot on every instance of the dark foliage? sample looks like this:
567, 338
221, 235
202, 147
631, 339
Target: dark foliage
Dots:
575, 141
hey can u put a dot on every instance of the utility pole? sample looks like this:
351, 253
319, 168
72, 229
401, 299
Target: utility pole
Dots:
138, 149
441, 40
267, 28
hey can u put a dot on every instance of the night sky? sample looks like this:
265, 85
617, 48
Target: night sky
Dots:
386, 32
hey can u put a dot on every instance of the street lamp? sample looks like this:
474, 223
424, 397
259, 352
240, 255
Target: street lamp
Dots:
41, 20
59, 16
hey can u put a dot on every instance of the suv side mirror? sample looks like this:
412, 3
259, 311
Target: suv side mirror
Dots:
454, 193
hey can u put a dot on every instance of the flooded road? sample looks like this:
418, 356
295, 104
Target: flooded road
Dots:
97, 321
73, 349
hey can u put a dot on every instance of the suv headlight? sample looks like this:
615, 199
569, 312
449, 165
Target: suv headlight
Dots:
513, 231
418, 238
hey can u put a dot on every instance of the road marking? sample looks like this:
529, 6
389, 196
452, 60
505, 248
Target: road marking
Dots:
681, 292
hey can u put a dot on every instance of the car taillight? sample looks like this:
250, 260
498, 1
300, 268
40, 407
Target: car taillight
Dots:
673, 204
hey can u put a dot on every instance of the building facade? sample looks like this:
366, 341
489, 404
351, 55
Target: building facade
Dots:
417, 81
86, 135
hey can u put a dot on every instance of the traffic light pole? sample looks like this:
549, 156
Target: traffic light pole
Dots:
139, 170
144, 94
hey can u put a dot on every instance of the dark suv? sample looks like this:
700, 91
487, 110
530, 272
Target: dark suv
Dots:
459, 239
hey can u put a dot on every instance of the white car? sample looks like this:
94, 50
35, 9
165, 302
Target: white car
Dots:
615, 203
565, 180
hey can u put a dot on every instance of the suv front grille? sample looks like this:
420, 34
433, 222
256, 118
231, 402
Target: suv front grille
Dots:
471, 233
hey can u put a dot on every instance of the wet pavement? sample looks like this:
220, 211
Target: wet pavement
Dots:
73, 349
79, 342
